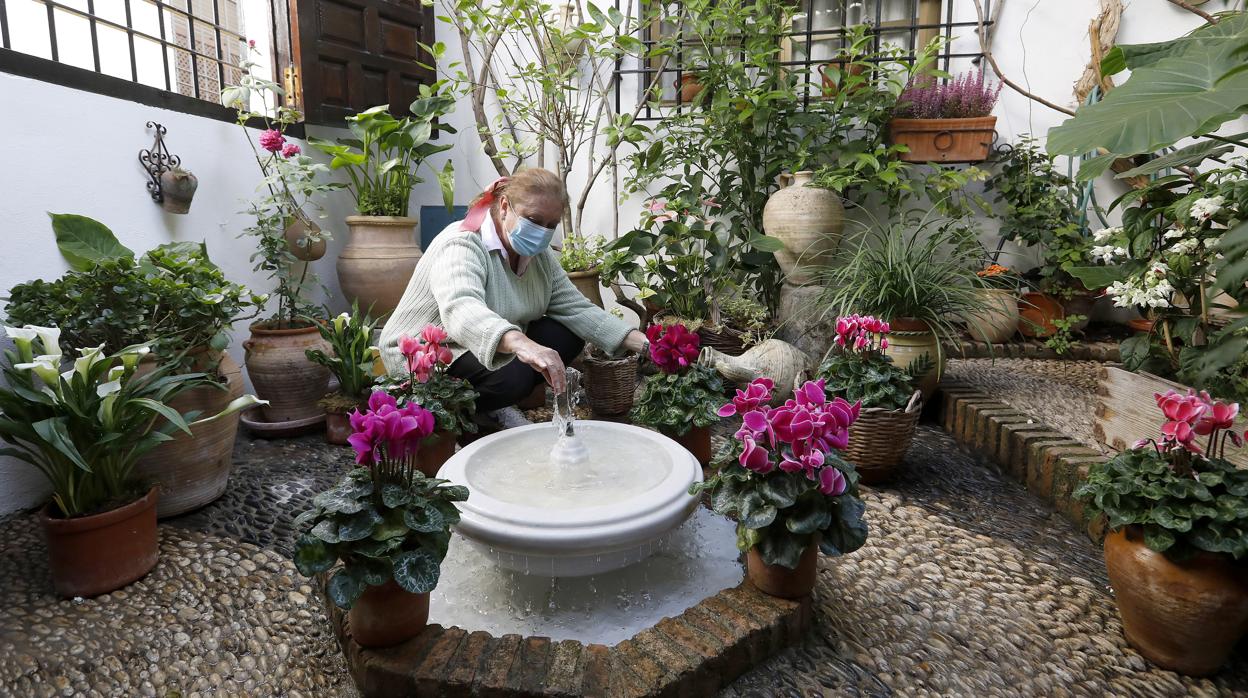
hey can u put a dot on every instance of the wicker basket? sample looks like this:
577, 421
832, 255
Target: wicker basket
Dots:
724, 339
610, 384
880, 438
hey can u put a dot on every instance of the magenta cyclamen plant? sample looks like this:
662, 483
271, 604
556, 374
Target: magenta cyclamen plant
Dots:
388, 436
968, 95
861, 333
1192, 415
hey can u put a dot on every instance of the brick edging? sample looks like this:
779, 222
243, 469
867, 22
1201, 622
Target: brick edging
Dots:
694, 654
1047, 461
1031, 349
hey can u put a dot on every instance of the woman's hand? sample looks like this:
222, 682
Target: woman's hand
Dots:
544, 360
635, 342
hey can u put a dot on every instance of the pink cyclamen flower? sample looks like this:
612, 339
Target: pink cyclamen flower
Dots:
832, 482
1219, 415
755, 395
272, 140
755, 457
432, 334
290, 150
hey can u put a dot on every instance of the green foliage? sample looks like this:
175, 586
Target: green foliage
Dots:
350, 337
452, 400
748, 316
1033, 196
380, 529
84, 242
173, 298
582, 254
782, 513
1181, 509
1063, 339
677, 402
85, 428
869, 376
384, 154
911, 269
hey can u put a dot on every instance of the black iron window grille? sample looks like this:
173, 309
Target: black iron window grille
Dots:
819, 32
188, 47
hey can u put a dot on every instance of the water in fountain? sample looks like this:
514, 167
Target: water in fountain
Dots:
569, 453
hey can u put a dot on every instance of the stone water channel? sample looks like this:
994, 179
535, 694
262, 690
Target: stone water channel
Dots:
968, 586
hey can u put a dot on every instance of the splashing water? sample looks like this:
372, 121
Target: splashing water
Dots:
569, 451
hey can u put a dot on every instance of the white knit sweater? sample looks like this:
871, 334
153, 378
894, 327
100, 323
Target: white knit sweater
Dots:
473, 294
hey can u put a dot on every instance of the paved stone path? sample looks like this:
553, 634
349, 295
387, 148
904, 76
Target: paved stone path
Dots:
968, 586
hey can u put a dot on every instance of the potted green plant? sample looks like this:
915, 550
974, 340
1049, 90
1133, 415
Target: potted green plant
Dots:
916, 276
1177, 511
452, 400
84, 428
172, 298
743, 322
787, 487
386, 523
998, 319
680, 400
351, 361
581, 258
382, 158
857, 370
946, 122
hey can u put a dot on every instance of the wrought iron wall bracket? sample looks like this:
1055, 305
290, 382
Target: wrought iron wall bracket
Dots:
157, 161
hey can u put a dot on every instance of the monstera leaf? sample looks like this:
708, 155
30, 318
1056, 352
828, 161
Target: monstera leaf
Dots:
1188, 87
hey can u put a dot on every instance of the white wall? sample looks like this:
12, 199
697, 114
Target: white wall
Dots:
83, 159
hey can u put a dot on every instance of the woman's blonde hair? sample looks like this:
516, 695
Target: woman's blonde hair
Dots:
529, 185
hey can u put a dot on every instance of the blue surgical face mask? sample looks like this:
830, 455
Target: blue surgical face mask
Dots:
530, 239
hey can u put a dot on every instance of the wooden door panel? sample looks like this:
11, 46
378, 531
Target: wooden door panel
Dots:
356, 54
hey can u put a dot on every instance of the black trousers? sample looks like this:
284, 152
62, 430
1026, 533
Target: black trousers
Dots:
513, 382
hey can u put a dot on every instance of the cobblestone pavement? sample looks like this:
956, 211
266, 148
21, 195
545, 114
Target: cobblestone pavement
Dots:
968, 586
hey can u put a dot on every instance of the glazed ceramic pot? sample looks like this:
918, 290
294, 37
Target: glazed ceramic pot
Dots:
296, 234
997, 321
282, 373
386, 615
808, 222
337, 427
1037, 311
587, 282
780, 361
177, 189
911, 340
1185, 616
944, 140
778, 580
696, 441
435, 450
377, 263
689, 87
93, 555
193, 470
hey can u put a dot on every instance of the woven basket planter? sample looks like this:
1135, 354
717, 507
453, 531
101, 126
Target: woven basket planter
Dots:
879, 439
610, 384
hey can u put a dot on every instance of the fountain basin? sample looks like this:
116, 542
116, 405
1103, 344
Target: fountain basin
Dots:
532, 517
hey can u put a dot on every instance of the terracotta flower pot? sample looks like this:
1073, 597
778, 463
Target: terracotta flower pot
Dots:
689, 87
299, 228
192, 471
808, 221
386, 615
1186, 616
778, 580
587, 282
177, 189
337, 427
944, 140
829, 84
696, 441
1036, 312
434, 451
1142, 325
93, 555
282, 373
997, 321
377, 263
910, 340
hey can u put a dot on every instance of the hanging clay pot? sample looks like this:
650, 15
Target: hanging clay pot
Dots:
377, 263
282, 373
780, 361
832, 83
303, 238
808, 222
997, 319
912, 340
944, 140
96, 554
1183, 616
177, 188
386, 615
689, 87
778, 580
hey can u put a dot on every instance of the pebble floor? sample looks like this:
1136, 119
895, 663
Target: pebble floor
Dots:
968, 586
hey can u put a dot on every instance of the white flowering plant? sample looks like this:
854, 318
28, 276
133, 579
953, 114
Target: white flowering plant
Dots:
84, 422
1169, 260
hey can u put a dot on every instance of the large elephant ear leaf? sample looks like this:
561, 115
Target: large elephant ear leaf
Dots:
416, 571
86, 242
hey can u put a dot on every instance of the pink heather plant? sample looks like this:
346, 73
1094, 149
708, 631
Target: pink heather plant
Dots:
673, 348
967, 95
272, 140
388, 434
796, 436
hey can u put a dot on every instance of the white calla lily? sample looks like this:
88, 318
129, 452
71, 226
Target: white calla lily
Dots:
106, 389
44, 367
90, 356
341, 320
50, 337
21, 334
130, 357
